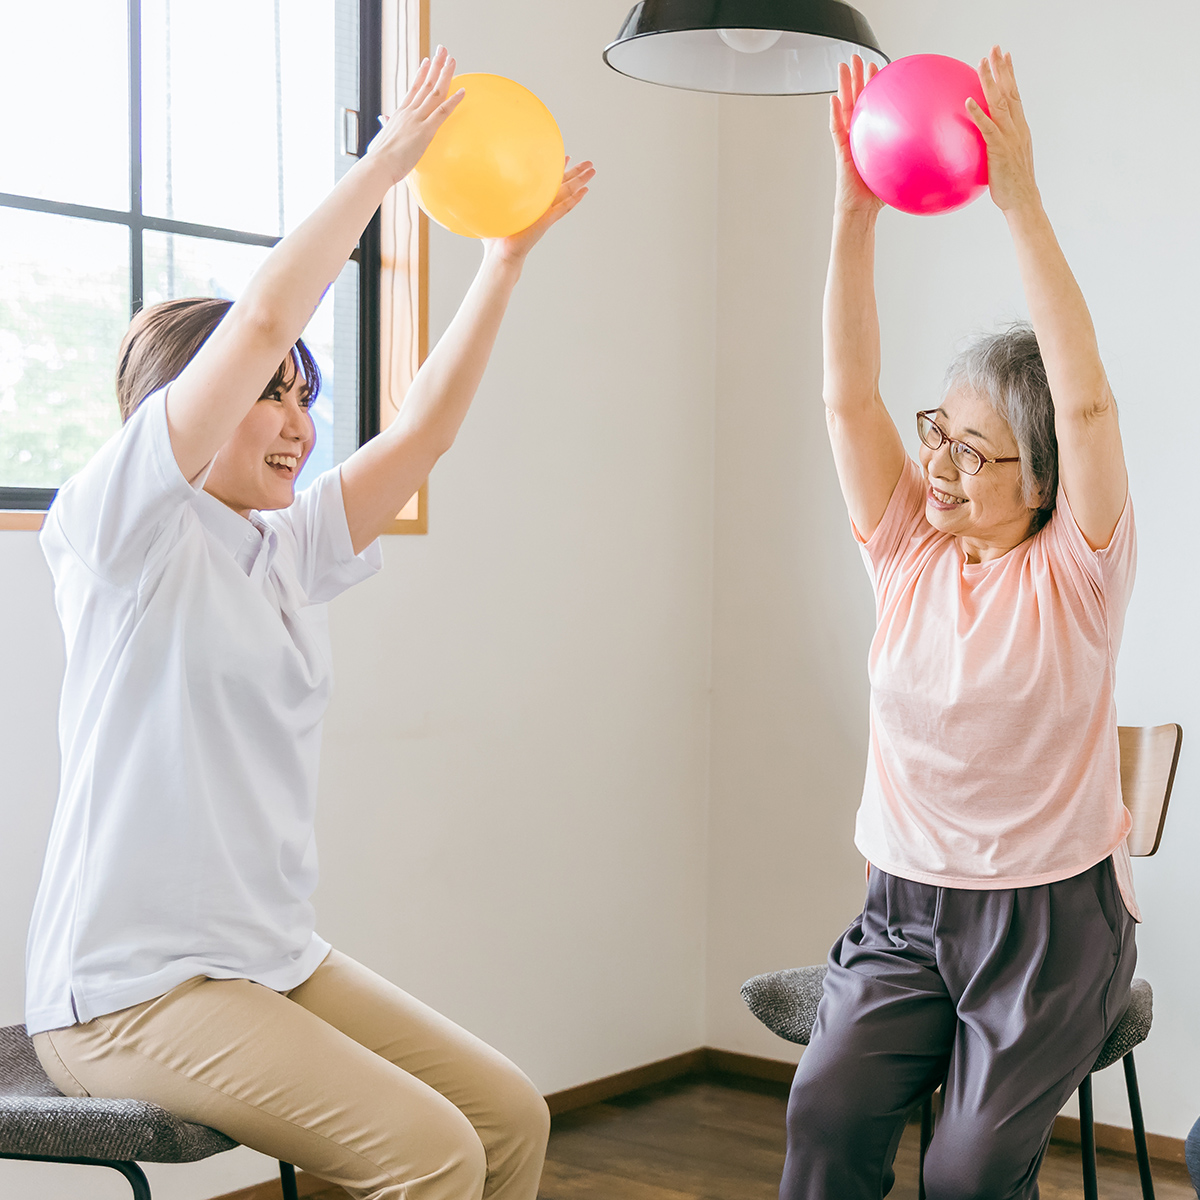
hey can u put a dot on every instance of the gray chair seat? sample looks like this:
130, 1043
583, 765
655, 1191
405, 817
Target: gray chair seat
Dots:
786, 1003
36, 1119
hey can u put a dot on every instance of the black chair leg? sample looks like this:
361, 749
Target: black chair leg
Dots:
1087, 1140
926, 1137
1139, 1129
136, 1177
287, 1179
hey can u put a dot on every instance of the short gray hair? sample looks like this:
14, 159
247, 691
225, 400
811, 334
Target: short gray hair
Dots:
1006, 369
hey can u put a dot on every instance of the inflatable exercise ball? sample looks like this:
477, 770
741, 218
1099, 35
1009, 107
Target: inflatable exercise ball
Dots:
911, 137
496, 164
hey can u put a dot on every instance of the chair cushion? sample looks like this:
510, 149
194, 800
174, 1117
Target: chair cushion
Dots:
36, 1118
786, 1001
1134, 1027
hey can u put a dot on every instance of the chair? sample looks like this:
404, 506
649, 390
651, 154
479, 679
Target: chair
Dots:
39, 1123
786, 1001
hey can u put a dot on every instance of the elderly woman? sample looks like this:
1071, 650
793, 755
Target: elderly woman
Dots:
996, 947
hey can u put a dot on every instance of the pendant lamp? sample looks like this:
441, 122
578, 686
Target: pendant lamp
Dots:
747, 47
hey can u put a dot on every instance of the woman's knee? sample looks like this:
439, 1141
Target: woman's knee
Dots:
522, 1118
451, 1162
977, 1168
534, 1119
821, 1117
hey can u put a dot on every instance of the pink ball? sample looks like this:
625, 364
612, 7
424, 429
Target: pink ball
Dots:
911, 138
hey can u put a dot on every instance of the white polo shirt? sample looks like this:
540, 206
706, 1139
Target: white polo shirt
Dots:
198, 672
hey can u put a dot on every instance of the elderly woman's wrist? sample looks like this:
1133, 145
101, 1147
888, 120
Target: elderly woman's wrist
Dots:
1025, 206
856, 215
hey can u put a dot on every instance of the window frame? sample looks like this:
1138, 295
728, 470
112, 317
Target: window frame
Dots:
400, 289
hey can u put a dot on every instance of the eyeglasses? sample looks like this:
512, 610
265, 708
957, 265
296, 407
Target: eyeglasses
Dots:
966, 458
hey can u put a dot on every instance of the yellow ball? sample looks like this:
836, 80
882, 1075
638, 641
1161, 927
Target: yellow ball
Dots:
495, 166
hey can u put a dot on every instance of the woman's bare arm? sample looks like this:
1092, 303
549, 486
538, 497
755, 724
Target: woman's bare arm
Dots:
379, 478
225, 378
867, 449
1091, 459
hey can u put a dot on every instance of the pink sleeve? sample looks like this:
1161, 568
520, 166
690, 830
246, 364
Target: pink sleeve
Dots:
1112, 569
903, 518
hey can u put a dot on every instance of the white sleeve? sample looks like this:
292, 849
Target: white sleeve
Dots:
316, 526
113, 511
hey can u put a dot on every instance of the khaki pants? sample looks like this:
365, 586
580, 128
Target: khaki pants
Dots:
346, 1076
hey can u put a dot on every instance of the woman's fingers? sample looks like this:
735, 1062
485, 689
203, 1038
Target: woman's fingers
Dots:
439, 86
429, 79
985, 124
845, 93
1003, 79
996, 69
1010, 80
991, 90
417, 83
446, 107
856, 73
433, 79
575, 184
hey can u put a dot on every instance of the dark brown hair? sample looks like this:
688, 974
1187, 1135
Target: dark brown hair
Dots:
163, 339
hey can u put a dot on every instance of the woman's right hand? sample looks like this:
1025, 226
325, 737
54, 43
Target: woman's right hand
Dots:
852, 194
408, 131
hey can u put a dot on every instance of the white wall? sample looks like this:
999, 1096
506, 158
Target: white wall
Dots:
515, 773
792, 613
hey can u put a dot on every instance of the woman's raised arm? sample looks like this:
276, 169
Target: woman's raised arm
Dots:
867, 448
379, 478
1091, 460
226, 377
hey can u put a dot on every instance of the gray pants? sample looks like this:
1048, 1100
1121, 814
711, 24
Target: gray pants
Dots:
1006, 996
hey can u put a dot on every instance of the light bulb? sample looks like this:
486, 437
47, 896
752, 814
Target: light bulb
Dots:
750, 41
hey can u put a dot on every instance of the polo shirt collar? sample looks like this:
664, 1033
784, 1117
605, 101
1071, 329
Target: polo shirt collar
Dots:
249, 541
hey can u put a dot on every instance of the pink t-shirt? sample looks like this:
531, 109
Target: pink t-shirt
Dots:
994, 760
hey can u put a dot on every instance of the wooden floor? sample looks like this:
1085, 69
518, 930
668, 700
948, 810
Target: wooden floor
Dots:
710, 1140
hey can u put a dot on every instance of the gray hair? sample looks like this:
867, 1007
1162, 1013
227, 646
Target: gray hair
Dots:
1006, 369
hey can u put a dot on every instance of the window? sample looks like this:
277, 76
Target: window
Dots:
187, 140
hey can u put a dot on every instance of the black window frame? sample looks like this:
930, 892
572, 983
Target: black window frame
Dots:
367, 254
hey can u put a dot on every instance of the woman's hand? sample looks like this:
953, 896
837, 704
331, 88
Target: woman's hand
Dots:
409, 130
852, 193
1006, 132
574, 187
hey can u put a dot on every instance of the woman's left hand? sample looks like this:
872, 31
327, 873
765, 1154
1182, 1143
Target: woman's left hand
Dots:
1006, 132
574, 187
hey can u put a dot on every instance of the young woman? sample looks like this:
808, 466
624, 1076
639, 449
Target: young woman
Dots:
996, 947
173, 956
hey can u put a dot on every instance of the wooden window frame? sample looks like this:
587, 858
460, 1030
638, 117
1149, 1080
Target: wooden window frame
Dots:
393, 253
401, 253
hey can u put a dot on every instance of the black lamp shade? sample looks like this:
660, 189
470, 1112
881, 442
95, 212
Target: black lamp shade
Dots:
747, 47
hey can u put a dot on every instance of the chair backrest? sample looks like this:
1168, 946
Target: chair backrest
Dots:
1149, 755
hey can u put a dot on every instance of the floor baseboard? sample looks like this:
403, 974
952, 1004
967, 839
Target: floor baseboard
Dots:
703, 1061
272, 1189
712, 1062
1120, 1139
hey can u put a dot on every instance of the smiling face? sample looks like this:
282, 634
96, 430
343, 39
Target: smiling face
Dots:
987, 512
257, 467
